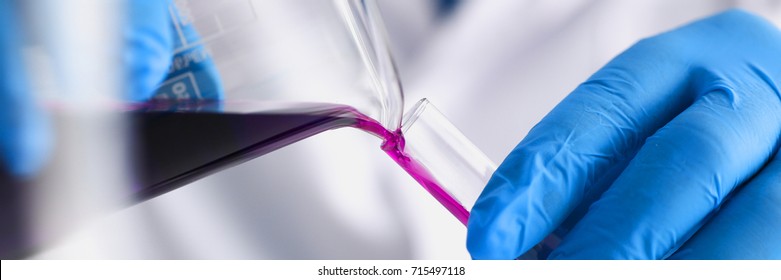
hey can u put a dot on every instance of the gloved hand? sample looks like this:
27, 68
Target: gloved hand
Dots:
670, 150
152, 34
24, 133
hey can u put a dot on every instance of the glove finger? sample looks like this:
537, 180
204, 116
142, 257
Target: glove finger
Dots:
748, 226
149, 37
683, 172
595, 130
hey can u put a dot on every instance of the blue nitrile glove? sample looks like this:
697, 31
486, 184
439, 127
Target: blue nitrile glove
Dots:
155, 37
24, 131
667, 151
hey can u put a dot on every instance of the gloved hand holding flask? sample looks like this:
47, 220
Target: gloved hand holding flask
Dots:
38, 130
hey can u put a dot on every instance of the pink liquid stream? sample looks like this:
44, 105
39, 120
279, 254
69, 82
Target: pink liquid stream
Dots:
393, 145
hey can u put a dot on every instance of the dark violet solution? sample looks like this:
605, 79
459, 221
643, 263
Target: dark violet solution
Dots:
176, 146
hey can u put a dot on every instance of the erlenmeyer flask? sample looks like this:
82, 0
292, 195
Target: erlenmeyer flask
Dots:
328, 67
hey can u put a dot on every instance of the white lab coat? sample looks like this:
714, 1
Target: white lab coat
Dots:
494, 68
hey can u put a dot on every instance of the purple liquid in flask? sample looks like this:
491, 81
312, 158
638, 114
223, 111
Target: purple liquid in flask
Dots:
176, 146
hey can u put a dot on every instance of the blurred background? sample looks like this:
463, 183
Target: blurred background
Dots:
493, 67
